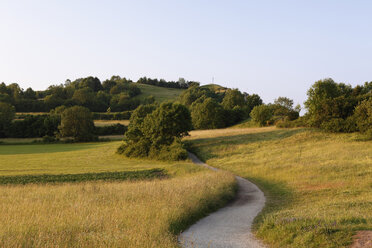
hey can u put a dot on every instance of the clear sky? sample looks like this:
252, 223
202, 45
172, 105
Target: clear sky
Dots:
273, 48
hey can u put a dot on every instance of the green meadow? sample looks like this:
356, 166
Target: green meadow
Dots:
85, 195
160, 94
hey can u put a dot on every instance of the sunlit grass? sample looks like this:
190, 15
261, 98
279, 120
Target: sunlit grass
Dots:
126, 214
102, 123
160, 94
319, 185
75, 158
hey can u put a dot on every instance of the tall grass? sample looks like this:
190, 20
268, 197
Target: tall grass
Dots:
109, 214
319, 185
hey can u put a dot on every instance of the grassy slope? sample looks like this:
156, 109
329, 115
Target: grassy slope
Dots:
161, 94
102, 214
214, 87
319, 186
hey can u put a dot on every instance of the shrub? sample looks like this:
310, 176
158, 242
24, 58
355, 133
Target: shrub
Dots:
114, 129
262, 114
334, 125
363, 116
7, 113
173, 152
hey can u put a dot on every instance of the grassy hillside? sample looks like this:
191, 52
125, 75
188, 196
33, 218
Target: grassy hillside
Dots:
319, 185
215, 87
161, 94
101, 213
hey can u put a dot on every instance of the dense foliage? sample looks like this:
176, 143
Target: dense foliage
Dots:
262, 114
218, 109
77, 122
7, 112
337, 107
156, 132
180, 84
116, 94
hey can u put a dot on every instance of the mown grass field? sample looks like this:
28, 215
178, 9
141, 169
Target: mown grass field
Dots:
149, 213
160, 94
31, 159
318, 185
102, 123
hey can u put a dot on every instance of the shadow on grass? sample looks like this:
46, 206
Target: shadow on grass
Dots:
195, 146
74, 178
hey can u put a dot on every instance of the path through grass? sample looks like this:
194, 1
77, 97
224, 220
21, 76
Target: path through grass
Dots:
319, 185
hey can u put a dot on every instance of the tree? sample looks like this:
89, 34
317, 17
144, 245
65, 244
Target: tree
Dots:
192, 94
262, 114
156, 132
233, 98
7, 113
283, 109
319, 101
252, 101
168, 121
92, 83
207, 114
363, 116
77, 122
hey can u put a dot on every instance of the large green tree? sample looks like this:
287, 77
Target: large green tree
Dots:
233, 98
156, 133
207, 114
77, 122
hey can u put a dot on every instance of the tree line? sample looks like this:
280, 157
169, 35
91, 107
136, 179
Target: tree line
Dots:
116, 94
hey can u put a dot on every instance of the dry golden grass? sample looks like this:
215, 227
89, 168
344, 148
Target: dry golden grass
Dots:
319, 185
99, 214
202, 134
102, 123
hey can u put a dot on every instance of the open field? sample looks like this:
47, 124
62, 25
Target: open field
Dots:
102, 123
319, 185
108, 214
161, 94
101, 213
75, 158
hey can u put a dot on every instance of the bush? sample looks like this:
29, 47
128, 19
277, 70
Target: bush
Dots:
34, 126
334, 125
262, 114
7, 113
49, 139
363, 116
114, 129
173, 152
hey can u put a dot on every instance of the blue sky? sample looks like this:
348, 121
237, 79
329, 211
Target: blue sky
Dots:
272, 48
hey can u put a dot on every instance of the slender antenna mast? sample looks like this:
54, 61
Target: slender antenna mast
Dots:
213, 80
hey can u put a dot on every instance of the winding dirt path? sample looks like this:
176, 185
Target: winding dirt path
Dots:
229, 227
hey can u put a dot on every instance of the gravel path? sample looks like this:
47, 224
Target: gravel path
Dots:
229, 227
